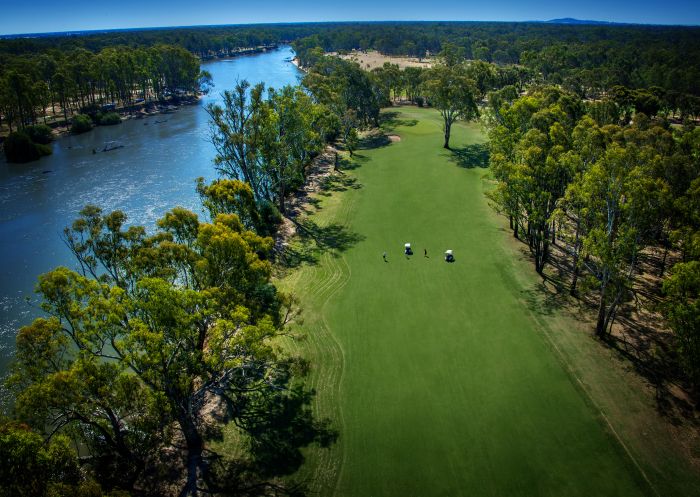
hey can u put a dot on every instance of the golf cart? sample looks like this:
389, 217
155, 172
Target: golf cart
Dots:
449, 257
407, 249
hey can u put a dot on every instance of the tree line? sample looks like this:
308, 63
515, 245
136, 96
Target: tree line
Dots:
70, 82
607, 187
585, 59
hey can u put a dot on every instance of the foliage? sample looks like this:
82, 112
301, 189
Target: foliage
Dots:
267, 142
32, 468
682, 310
39, 133
110, 118
81, 124
609, 188
20, 148
154, 342
450, 89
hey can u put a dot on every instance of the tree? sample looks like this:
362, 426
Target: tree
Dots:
290, 140
268, 142
531, 141
450, 90
236, 135
618, 196
682, 310
32, 467
157, 337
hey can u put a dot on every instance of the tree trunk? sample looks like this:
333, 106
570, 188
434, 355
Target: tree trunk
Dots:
574, 279
448, 126
281, 199
195, 447
601, 322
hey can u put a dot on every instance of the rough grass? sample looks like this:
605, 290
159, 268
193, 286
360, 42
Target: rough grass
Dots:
447, 379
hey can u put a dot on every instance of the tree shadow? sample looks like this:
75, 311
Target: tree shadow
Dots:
471, 156
374, 140
546, 299
391, 120
337, 183
333, 236
278, 424
312, 240
348, 164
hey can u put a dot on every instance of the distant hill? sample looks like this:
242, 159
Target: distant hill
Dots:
571, 20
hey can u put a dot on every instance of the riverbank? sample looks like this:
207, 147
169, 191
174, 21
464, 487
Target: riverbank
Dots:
61, 124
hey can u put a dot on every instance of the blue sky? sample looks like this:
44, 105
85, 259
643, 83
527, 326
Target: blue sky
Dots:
35, 16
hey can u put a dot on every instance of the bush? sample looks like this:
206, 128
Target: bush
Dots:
109, 119
20, 148
81, 124
270, 218
40, 133
419, 101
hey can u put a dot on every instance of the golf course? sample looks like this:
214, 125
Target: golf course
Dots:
436, 375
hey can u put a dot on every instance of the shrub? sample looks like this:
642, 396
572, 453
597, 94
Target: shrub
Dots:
81, 124
270, 218
109, 119
20, 148
40, 133
419, 101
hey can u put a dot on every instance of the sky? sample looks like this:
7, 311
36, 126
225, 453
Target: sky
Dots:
38, 16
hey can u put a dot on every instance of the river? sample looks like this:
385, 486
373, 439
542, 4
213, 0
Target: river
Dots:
153, 172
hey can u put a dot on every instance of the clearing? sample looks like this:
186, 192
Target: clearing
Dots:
371, 59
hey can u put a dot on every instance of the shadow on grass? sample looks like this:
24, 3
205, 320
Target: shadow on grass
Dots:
391, 120
637, 339
374, 140
278, 426
350, 163
312, 240
471, 156
337, 183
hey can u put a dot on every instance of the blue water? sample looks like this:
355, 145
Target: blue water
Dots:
154, 172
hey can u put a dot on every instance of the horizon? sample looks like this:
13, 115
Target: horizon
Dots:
553, 21
100, 15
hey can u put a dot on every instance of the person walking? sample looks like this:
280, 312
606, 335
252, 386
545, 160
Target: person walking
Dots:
384, 257
425, 252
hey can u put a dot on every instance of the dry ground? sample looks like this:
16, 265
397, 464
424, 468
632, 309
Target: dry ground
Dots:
372, 59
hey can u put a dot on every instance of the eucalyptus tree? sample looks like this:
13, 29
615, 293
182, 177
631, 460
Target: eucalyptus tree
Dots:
291, 138
451, 90
619, 198
156, 341
268, 141
236, 132
531, 141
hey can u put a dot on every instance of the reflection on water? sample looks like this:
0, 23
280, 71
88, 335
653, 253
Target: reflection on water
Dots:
153, 172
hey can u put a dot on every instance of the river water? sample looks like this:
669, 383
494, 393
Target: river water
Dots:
154, 171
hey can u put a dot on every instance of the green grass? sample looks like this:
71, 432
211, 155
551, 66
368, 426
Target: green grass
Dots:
437, 376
